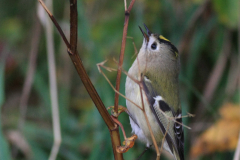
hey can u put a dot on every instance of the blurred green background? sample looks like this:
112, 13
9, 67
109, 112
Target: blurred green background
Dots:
205, 32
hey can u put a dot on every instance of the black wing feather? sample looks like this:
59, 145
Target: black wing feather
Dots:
151, 100
150, 94
178, 129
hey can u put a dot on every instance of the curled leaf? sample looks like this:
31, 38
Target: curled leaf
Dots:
127, 144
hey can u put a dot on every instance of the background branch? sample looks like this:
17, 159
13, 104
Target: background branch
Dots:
113, 129
53, 86
30, 73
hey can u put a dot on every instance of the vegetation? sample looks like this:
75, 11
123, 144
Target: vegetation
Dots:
207, 34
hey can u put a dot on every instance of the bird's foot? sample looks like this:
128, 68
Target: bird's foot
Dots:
120, 110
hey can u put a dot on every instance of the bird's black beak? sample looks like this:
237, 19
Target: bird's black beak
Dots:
146, 36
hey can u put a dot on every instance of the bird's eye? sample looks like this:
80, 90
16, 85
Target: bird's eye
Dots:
154, 46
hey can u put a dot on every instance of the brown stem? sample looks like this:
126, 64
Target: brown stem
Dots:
125, 28
116, 121
115, 137
72, 50
55, 23
148, 124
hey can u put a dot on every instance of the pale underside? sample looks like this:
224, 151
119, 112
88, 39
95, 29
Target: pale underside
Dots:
141, 128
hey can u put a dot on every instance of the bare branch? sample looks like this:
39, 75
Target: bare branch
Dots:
72, 50
216, 74
149, 126
125, 4
53, 87
99, 69
127, 13
237, 152
30, 73
55, 23
164, 137
187, 35
135, 48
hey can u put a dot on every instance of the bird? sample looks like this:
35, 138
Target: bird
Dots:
156, 68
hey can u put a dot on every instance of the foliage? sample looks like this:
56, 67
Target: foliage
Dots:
84, 134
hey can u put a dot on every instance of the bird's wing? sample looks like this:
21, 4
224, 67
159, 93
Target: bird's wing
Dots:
161, 111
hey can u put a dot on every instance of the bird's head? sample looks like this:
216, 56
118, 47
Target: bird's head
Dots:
158, 45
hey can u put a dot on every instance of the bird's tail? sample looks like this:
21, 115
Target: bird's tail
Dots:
178, 155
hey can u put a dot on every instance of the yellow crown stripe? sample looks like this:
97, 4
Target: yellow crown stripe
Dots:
163, 38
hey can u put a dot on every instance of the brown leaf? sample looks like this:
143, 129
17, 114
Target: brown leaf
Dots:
223, 135
230, 111
128, 143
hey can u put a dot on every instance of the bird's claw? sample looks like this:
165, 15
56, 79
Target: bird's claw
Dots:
120, 110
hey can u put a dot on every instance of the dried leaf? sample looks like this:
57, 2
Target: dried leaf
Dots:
222, 136
128, 143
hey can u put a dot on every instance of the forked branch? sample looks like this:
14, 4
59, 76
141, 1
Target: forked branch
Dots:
72, 50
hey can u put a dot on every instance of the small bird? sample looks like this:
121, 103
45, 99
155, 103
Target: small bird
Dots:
157, 68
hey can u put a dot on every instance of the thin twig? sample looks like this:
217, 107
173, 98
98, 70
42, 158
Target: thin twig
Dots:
216, 73
113, 129
138, 82
56, 24
30, 73
172, 118
218, 69
144, 112
121, 126
125, 4
237, 152
233, 75
143, 109
99, 69
72, 50
86, 81
53, 86
164, 137
125, 28
149, 126
134, 46
192, 22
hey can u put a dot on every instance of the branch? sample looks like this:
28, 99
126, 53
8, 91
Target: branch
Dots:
149, 126
72, 50
53, 86
55, 23
30, 73
127, 13
187, 36
216, 74
237, 151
